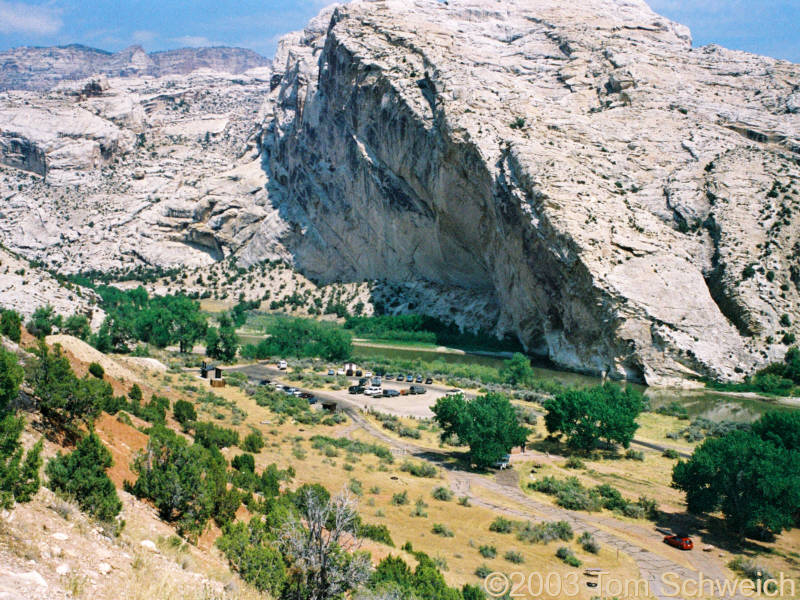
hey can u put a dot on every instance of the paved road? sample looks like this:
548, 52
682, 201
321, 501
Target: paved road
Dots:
651, 565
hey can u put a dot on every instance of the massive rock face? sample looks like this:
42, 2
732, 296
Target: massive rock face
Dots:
111, 174
32, 68
628, 202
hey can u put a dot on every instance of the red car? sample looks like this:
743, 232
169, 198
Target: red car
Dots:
682, 542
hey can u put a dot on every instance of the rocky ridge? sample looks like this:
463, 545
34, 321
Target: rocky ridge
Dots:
109, 173
629, 202
35, 68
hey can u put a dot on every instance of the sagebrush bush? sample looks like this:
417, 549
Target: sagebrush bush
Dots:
515, 557
442, 493
565, 554
545, 532
588, 543
501, 525
487, 551
442, 530
420, 469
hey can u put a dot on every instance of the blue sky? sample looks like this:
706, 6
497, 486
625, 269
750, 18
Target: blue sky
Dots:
770, 27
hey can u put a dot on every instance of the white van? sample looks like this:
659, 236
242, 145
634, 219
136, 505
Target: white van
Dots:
282, 365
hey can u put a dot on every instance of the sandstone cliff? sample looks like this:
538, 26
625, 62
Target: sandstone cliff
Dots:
628, 202
33, 68
110, 174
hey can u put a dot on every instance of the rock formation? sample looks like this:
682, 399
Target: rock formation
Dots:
576, 173
629, 202
33, 68
112, 173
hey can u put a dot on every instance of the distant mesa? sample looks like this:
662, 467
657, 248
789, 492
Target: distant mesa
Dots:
37, 68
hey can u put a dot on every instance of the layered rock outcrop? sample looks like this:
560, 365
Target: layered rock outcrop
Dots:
116, 173
36, 68
629, 203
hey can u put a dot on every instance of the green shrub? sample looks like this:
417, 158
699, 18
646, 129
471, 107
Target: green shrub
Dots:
420, 469
244, 462
545, 532
671, 453
11, 325
515, 557
250, 552
568, 557
442, 493
377, 533
752, 571
419, 509
253, 442
487, 551
483, 571
96, 369
184, 412
19, 471
588, 543
464, 501
81, 475
356, 487
400, 499
501, 525
573, 462
442, 530
209, 434
632, 454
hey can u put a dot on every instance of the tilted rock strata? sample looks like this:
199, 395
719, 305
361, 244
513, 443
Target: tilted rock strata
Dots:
580, 164
34, 68
117, 173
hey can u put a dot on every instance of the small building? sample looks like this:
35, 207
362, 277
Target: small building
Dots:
213, 373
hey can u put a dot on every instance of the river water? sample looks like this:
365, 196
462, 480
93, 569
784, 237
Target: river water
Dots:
710, 404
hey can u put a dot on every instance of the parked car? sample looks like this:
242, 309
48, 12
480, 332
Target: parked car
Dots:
373, 391
264, 382
419, 378
349, 372
340, 371
368, 374
682, 542
410, 378
283, 365
454, 392
289, 390
390, 393
416, 389
428, 381
305, 395
313, 400
376, 381
503, 463
278, 387
355, 389
331, 372
358, 373
388, 377
401, 378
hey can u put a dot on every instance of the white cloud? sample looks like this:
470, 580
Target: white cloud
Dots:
18, 17
143, 36
195, 41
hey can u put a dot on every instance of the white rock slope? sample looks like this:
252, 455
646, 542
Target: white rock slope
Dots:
629, 202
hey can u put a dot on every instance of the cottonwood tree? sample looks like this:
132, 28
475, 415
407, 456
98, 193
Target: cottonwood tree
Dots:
488, 424
585, 416
322, 548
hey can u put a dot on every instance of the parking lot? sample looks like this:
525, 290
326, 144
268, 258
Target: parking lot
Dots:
416, 406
